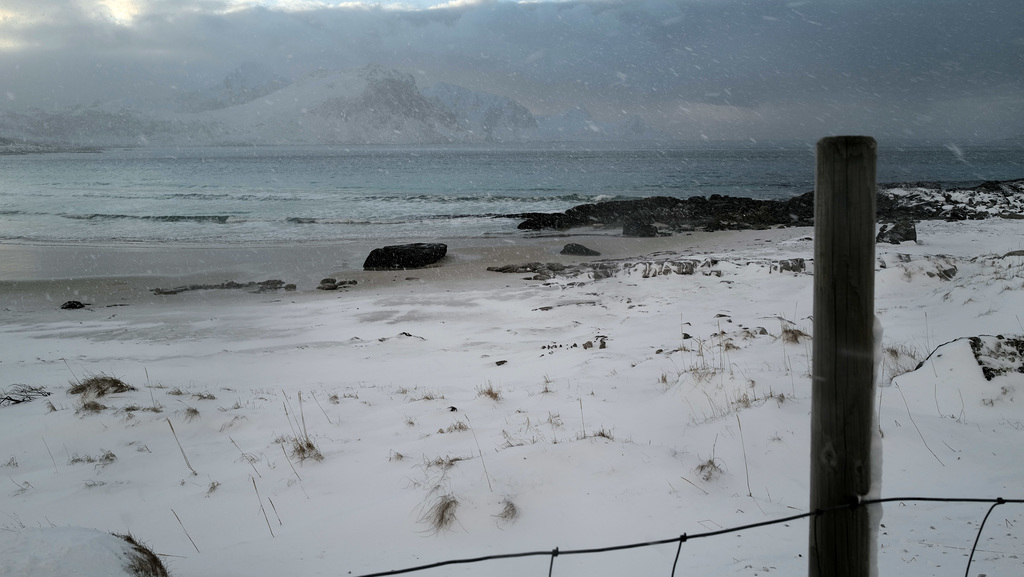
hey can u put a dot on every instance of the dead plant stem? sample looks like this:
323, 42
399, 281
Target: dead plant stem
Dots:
189, 465
185, 530
262, 508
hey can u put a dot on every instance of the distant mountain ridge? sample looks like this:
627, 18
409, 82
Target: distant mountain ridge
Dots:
371, 105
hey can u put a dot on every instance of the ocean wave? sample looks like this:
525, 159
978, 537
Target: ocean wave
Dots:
495, 198
203, 218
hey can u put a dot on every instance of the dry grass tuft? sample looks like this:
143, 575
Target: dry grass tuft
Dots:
900, 359
100, 385
429, 396
106, 458
142, 561
135, 408
709, 469
191, 414
440, 516
509, 511
455, 427
792, 335
22, 394
490, 392
305, 449
91, 407
443, 463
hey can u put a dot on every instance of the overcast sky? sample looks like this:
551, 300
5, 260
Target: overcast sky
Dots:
939, 69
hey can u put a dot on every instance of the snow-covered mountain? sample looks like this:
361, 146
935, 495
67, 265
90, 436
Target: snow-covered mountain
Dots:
367, 106
486, 116
244, 84
371, 105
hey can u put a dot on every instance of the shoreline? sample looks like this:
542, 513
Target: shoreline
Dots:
32, 278
117, 276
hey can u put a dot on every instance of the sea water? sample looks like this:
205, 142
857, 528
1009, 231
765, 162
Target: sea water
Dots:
251, 196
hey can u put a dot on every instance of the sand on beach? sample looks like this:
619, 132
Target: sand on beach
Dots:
34, 277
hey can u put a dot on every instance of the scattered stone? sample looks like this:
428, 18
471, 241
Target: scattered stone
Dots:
73, 305
574, 249
262, 286
499, 363
270, 285
943, 273
895, 233
791, 265
290, 287
405, 256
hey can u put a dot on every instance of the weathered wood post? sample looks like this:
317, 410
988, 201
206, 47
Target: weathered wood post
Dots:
843, 362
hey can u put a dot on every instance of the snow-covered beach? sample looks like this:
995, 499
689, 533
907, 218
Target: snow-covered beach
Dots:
461, 412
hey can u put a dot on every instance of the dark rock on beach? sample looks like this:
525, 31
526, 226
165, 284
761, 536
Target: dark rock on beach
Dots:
405, 256
574, 249
73, 305
897, 232
333, 284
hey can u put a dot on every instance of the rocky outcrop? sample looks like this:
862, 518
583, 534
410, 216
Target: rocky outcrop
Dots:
405, 256
895, 202
678, 214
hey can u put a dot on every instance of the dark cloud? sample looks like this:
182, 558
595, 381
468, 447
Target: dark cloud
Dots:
722, 69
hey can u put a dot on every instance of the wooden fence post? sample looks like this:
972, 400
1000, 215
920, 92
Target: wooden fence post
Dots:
843, 355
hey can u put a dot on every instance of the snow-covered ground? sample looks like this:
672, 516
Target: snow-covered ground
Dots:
464, 419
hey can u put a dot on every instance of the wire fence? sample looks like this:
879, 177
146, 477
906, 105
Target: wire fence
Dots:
554, 553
